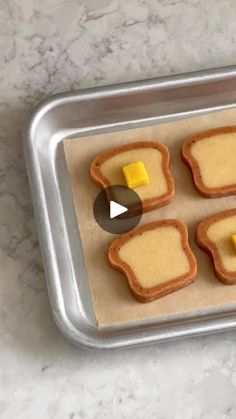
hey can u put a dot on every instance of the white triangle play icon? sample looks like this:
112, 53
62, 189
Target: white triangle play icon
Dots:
116, 209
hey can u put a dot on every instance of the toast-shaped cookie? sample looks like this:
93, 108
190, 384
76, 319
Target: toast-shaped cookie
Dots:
155, 258
216, 236
211, 156
157, 185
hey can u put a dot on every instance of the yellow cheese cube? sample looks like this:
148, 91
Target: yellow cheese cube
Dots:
233, 238
135, 174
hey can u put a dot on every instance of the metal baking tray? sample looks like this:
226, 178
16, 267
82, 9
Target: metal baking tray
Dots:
100, 110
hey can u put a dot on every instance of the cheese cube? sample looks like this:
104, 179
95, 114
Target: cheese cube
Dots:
233, 238
135, 174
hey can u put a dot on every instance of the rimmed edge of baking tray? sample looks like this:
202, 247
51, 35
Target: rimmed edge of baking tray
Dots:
200, 324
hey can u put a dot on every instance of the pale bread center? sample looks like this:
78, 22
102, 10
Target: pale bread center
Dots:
216, 157
156, 256
152, 159
220, 234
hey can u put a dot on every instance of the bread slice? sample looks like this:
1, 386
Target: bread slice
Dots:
106, 170
211, 155
214, 236
156, 259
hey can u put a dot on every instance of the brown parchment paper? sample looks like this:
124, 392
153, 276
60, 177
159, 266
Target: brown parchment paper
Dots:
112, 300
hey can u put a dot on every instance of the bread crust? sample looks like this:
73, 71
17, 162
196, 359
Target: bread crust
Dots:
227, 277
193, 164
149, 294
147, 204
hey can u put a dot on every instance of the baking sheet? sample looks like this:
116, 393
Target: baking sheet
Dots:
112, 300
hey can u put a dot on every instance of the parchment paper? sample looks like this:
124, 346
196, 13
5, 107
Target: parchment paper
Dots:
112, 300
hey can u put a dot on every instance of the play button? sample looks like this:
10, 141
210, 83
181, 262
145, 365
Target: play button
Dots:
117, 209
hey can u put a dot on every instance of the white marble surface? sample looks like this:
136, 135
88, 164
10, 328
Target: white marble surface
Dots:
47, 46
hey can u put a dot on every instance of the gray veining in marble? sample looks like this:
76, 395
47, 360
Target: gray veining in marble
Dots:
48, 46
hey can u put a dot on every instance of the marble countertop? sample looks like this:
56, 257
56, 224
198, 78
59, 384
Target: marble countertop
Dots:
49, 46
